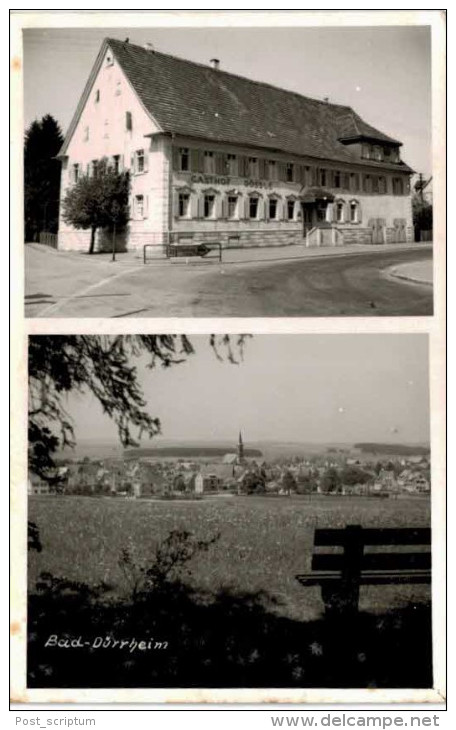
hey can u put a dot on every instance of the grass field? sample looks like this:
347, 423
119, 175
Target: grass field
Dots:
264, 542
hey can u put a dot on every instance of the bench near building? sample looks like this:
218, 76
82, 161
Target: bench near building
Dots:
217, 157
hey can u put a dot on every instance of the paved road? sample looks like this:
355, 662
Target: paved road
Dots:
356, 284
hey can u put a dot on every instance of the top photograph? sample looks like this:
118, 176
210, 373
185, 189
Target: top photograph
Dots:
228, 172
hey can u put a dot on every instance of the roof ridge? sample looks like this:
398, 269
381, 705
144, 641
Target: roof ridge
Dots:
230, 73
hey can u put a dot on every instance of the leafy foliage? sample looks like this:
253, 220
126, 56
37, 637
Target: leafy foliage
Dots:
43, 140
167, 563
98, 201
102, 365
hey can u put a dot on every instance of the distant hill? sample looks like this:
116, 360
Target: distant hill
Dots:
393, 449
187, 452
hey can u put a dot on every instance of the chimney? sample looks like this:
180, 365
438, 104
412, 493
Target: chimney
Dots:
149, 46
215, 63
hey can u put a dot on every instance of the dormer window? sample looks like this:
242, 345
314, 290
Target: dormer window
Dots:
378, 153
366, 151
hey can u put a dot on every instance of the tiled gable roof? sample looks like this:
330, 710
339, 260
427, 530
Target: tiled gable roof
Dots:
190, 99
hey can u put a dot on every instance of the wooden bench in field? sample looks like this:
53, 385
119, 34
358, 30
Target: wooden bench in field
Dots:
340, 574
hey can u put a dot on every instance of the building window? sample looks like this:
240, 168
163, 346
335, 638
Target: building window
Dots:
289, 172
184, 205
75, 173
232, 207
367, 184
253, 207
94, 168
97, 96
337, 179
398, 186
86, 134
382, 185
321, 212
375, 184
139, 161
209, 163
232, 164
322, 177
366, 151
354, 182
378, 153
253, 166
116, 164
391, 154
354, 212
209, 206
272, 170
128, 121
340, 212
184, 159
290, 209
273, 208
139, 206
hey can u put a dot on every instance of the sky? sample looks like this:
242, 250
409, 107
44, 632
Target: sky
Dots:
384, 73
294, 388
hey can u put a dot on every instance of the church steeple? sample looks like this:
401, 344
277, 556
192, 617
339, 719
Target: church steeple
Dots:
240, 448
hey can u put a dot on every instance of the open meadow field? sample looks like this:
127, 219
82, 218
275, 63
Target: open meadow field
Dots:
264, 542
238, 618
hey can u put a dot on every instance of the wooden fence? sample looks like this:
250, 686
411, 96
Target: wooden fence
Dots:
49, 239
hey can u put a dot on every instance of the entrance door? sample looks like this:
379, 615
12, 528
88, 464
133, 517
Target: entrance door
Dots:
308, 218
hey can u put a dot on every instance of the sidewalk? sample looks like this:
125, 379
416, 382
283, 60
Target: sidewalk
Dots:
419, 272
232, 255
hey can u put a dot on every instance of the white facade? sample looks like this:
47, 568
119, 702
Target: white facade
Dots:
259, 206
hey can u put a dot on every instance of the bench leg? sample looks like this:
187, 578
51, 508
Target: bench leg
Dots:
340, 600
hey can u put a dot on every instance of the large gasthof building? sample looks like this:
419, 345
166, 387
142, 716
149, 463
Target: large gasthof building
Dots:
218, 157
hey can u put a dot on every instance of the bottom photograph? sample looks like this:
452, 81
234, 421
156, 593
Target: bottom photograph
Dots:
229, 511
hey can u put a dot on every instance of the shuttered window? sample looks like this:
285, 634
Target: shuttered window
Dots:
209, 206
253, 207
232, 164
209, 162
184, 205
253, 166
184, 159
233, 201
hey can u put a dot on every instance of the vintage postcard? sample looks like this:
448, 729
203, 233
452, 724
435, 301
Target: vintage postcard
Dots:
228, 438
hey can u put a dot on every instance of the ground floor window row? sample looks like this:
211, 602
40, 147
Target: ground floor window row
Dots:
213, 205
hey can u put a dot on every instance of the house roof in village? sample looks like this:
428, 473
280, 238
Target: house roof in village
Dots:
193, 100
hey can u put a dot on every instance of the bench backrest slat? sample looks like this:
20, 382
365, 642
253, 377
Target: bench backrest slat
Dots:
373, 561
373, 536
